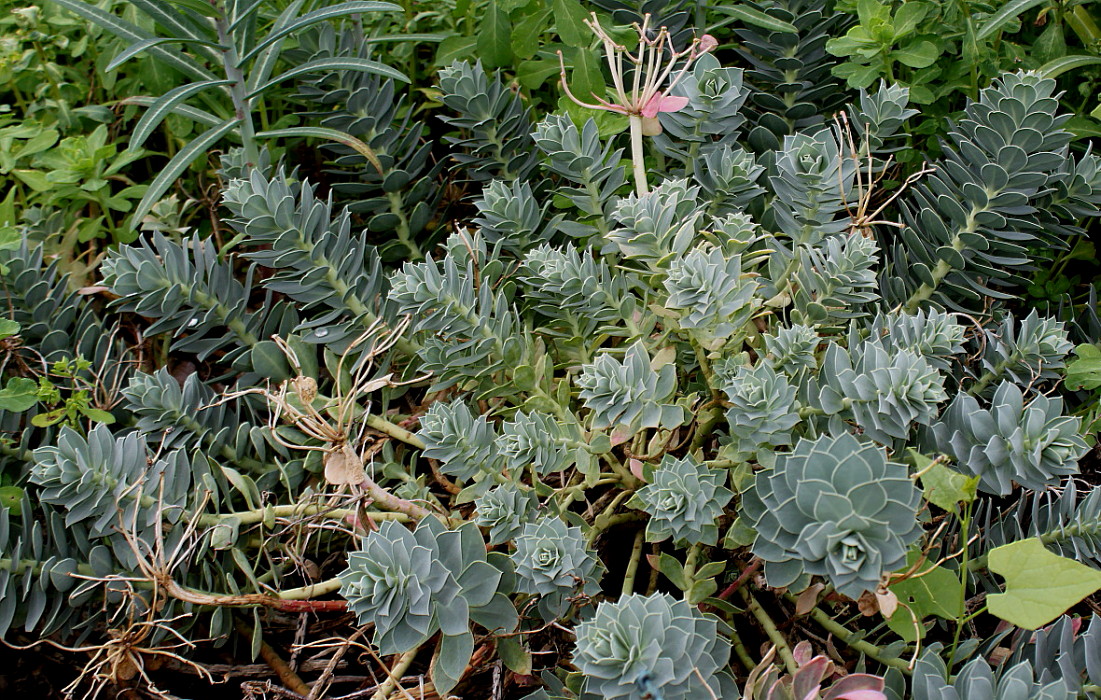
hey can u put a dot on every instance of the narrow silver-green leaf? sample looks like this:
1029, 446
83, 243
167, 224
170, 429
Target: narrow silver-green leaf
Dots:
323, 64
179, 23
176, 166
193, 113
203, 9
165, 105
1055, 68
436, 38
322, 15
242, 16
146, 44
132, 33
1005, 15
333, 135
757, 18
266, 64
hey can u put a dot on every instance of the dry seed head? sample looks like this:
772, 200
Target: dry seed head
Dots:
343, 466
305, 388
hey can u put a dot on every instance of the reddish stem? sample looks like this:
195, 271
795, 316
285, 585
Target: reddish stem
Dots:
298, 606
738, 582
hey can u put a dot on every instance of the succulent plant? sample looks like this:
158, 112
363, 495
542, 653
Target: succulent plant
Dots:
642, 647
715, 95
108, 480
540, 441
762, 407
629, 393
564, 281
792, 348
511, 216
728, 178
888, 391
684, 501
811, 182
656, 226
735, 232
1026, 352
836, 279
977, 680
463, 444
766, 682
1034, 445
504, 509
412, 584
494, 121
710, 290
834, 507
592, 168
553, 562
933, 334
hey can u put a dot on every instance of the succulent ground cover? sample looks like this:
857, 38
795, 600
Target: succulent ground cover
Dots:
634, 350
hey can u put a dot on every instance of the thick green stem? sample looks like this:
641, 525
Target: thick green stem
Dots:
740, 650
632, 563
853, 642
394, 675
404, 234
251, 517
238, 91
773, 633
943, 267
395, 431
965, 529
314, 590
388, 501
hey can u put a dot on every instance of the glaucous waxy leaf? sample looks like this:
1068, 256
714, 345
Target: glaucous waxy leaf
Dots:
504, 509
711, 293
629, 393
412, 584
652, 646
833, 507
978, 680
684, 499
1034, 445
553, 562
762, 405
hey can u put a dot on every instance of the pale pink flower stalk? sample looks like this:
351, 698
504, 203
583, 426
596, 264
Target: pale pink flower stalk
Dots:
651, 83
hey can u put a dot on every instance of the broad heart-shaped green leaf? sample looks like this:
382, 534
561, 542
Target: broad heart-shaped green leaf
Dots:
1039, 585
19, 395
11, 497
1085, 372
931, 591
944, 487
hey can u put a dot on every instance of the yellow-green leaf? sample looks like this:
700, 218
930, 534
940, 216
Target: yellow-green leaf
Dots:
1039, 585
945, 487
